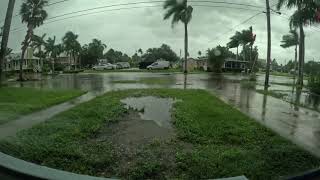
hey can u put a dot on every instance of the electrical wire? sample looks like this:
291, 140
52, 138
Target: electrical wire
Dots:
115, 5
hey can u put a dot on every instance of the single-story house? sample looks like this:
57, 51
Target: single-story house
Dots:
191, 64
30, 62
234, 65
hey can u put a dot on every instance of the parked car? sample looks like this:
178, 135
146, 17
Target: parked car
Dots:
107, 66
123, 65
159, 65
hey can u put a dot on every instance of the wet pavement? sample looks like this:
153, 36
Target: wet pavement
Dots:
300, 125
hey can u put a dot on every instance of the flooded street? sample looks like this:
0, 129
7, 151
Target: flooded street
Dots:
300, 125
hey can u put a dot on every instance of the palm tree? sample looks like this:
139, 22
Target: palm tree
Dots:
36, 43
33, 14
245, 38
53, 50
71, 45
235, 42
180, 11
289, 40
306, 13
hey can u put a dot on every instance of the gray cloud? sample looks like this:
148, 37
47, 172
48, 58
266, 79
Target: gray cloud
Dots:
129, 30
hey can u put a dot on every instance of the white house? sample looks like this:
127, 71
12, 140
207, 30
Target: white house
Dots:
30, 62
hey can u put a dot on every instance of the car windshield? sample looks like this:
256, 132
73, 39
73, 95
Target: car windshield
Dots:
160, 89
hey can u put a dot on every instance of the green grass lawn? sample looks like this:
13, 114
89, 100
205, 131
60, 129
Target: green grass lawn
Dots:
15, 102
213, 140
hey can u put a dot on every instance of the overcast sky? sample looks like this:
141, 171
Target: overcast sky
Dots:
129, 30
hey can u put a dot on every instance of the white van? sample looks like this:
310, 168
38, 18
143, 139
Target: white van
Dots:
159, 65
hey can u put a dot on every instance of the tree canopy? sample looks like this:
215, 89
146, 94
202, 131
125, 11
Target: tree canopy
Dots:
163, 52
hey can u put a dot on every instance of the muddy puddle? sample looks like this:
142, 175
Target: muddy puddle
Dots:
152, 108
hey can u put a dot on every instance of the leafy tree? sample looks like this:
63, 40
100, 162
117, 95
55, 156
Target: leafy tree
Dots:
53, 50
245, 54
135, 60
71, 45
312, 68
92, 52
33, 14
290, 65
289, 40
199, 53
140, 51
235, 42
180, 11
115, 56
246, 37
37, 42
217, 57
164, 52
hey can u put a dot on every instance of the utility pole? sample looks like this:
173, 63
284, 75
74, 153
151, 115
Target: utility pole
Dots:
266, 84
5, 37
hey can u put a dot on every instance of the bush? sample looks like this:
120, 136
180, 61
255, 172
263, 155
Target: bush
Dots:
314, 83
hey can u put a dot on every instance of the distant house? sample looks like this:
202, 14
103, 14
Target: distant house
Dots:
67, 61
234, 65
229, 64
202, 63
30, 62
191, 64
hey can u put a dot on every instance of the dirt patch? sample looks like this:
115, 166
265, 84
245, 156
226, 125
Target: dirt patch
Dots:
144, 139
142, 146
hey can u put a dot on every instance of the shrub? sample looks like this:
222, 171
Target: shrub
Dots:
314, 83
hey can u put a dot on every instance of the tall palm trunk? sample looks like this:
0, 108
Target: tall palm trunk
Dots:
301, 51
244, 52
186, 47
295, 58
24, 49
5, 37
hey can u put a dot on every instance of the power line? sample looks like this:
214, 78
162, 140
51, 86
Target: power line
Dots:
210, 6
102, 7
50, 4
233, 28
115, 5
224, 2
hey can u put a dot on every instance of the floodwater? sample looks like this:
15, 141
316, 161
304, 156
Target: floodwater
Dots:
152, 108
298, 124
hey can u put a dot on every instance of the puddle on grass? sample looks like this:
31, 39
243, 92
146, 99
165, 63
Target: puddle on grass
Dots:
152, 108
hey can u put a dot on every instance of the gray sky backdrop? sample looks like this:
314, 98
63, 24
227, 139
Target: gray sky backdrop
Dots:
129, 30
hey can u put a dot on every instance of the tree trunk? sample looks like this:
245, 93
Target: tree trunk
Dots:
266, 83
295, 58
24, 48
186, 47
5, 37
301, 51
237, 52
53, 68
244, 52
74, 61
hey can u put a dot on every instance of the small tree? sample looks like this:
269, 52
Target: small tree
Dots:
291, 40
217, 57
